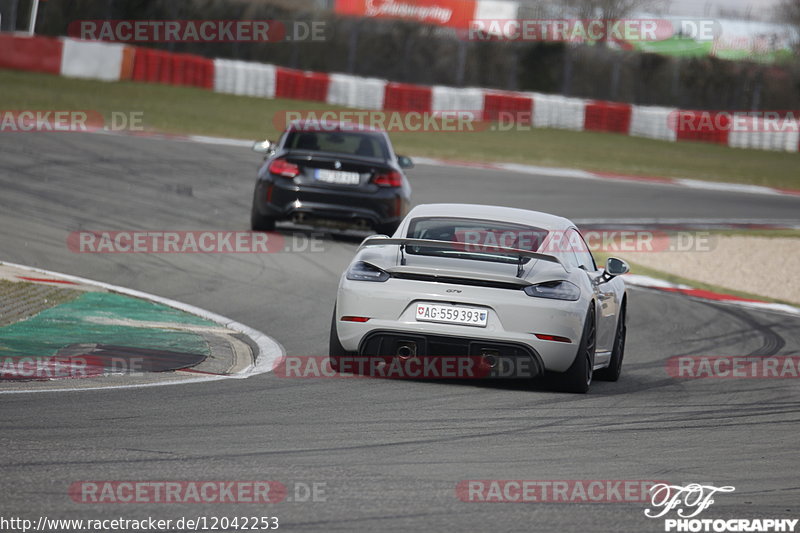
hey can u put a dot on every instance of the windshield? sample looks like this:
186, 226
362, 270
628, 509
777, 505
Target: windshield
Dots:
359, 144
474, 239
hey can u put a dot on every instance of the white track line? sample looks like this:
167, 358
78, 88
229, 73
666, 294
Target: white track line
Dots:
270, 351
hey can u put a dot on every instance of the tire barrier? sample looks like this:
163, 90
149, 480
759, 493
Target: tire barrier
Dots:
352, 91
406, 97
653, 123
550, 111
703, 126
112, 61
92, 60
760, 134
33, 54
301, 85
607, 116
507, 107
244, 78
156, 66
468, 100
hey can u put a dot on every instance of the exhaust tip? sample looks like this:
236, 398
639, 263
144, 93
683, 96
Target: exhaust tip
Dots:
406, 350
490, 358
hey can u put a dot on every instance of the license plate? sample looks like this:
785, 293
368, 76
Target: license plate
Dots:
338, 177
451, 314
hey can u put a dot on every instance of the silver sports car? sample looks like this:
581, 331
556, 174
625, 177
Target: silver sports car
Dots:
515, 291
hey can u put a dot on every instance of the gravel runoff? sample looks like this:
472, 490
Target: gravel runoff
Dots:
758, 265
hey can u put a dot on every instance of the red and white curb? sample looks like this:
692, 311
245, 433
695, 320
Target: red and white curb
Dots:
648, 282
270, 352
556, 172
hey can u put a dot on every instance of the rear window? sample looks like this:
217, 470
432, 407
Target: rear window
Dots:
474, 239
339, 142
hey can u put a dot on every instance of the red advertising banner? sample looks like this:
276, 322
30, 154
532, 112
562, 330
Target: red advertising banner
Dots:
451, 13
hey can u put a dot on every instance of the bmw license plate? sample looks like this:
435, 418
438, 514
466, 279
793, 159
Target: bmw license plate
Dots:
451, 314
339, 177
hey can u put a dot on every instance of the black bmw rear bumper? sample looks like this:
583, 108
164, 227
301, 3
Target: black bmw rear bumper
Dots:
285, 200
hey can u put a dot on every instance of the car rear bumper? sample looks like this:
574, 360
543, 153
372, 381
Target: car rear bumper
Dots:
309, 204
501, 358
514, 319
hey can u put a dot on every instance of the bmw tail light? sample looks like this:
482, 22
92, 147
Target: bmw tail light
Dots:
282, 167
388, 179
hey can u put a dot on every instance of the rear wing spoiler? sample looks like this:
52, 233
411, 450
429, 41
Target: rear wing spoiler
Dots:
488, 250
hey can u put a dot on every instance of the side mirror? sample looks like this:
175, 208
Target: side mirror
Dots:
615, 267
405, 161
263, 147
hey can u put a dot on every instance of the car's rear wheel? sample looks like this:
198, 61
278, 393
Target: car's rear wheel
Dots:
579, 376
614, 369
259, 222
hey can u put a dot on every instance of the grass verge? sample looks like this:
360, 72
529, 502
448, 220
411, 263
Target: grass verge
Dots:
191, 110
601, 258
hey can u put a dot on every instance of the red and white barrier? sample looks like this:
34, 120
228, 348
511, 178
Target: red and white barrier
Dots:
759, 134
507, 107
407, 97
92, 60
353, 91
468, 100
552, 111
607, 116
34, 54
301, 85
653, 123
702, 126
111, 62
244, 78
157, 66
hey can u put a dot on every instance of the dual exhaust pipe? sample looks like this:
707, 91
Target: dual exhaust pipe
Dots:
408, 350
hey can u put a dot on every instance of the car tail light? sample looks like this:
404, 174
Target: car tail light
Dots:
361, 319
554, 338
555, 290
361, 271
388, 179
282, 167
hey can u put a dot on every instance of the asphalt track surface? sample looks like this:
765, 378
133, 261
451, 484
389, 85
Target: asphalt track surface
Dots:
390, 453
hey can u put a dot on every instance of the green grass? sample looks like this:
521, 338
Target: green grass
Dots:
189, 110
601, 257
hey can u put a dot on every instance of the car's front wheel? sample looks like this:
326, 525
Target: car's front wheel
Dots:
578, 377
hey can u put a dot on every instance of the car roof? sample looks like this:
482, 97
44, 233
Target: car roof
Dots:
312, 125
492, 212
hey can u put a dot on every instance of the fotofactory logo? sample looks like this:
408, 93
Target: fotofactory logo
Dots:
689, 501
